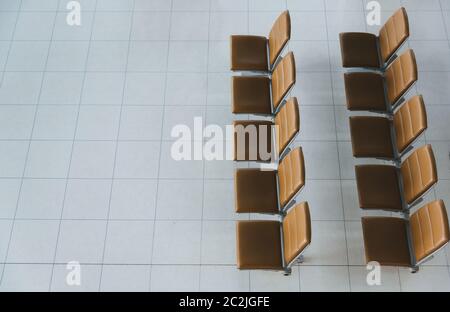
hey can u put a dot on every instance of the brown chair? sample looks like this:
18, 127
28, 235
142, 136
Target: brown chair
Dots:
270, 191
371, 51
397, 188
250, 52
370, 91
396, 242
274, 245
250, 136
382, 138
261, 94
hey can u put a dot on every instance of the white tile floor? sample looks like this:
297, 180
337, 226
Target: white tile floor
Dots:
85, 120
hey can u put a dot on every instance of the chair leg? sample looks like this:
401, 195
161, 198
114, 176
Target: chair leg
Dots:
414, 269
300, 259
287, 271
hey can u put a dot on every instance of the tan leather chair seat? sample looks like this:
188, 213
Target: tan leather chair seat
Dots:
251, 95
378, 187
250, 145
359, 50
256, 191
368, 50
365, 91
258, 245
255, 52
371, 137
249, 53
385, 240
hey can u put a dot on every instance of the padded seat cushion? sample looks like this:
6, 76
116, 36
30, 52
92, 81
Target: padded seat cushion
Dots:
252, 149
258, 245
385, 240
359, 50
251, 95
371, 137
378, 187
256, 191
249, 53
364, 91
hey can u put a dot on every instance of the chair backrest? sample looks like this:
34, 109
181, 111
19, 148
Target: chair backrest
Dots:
429, 229
393, 34
400, 76
419, 173
283, 78
410, 121
296, 231
279, 36
287, 121
291, 175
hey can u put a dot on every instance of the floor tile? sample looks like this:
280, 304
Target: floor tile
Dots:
140, 123
432, 55
313, 89
9, 22
27, 56
129, 242
426, 25
33, 241
41, 199
223, 278
229, 5
305, 5
428, 279
179, 278
16, 121
5, 231
317, 123
13, 84
137, 160
107, 56
189, 26
34, 26
343, 5
98, 122
224, 24
274, 281
144, 89
324, 278
355, 243
44, 5
325, 199
218, 200
178, 169
150, 26
188, 56
64, 31
311, 55
219, 90
143, 56
61, 88
111, 26
190, 89
180, 200
389, 279
13, 155
218, 242
432, 86
48, 159
176, 242
321, 160
55, 122
181, 115
62, 51
344, 21
89, 278
133, 199
87, 199
26, 277
114, 5
260, 23
267, 5
437, 130
125, 278
152, 5
219, 56
9, 192
81, 240
328, 244
92, 159
103, 88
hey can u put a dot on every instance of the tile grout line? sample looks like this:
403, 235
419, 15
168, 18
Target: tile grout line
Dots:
117, 141
203, 161
337, 146
2, 270
30, 139
161, 145
71, 151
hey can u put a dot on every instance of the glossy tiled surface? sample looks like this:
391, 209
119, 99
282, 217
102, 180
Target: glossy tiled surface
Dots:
85, 120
